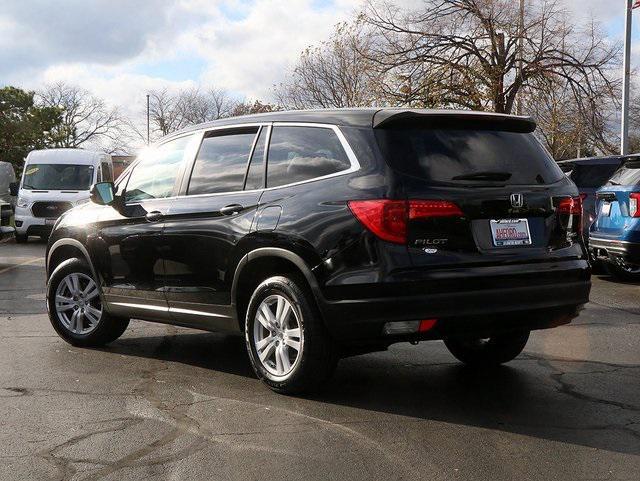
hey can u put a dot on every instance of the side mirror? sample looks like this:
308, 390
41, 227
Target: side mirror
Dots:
102, 193
14, 187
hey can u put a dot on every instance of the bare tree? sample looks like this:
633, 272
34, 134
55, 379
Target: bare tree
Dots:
333, 74
255, 107
572, 127
197, 106
165, 112
86, 119
172, 110
471, 49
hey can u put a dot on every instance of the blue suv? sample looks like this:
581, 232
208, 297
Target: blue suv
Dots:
615, 235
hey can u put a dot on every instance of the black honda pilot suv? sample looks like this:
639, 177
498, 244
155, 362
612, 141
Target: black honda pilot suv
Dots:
326, 233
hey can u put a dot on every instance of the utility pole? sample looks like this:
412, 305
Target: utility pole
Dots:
148, 119
624, 134
520, 55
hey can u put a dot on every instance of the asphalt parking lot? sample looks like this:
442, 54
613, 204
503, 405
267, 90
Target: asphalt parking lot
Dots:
169, 403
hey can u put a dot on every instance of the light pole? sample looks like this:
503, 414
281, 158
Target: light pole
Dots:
626, 70
520, 54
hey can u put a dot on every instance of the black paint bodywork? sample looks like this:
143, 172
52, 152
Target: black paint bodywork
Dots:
190, 260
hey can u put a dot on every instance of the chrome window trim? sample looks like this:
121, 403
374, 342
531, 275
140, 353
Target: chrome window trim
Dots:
353, 160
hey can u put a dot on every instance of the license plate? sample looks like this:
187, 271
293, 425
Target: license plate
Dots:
605, 210
510, 232
50, 221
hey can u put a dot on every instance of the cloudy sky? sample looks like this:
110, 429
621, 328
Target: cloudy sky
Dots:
119, 49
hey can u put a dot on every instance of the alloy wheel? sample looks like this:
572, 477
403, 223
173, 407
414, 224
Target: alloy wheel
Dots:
277, 335
78, 304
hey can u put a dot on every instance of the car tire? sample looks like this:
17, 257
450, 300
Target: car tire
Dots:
298, 370
621, 273
21, 238
488, 352
92, 326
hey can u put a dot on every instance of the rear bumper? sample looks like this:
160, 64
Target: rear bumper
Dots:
613, 250
532, 302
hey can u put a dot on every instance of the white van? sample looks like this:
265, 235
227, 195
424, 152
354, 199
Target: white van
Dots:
53, 181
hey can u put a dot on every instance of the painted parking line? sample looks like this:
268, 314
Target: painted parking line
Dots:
25, 263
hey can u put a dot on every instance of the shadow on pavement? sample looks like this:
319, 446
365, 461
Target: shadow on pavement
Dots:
531, 396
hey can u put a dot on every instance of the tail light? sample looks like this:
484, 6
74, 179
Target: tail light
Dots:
633, 204
572, 206
388, 219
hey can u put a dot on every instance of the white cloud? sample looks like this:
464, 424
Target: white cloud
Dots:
603, 11
120, 49
252, 54
104, 46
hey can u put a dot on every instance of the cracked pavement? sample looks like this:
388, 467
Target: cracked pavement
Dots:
165, 402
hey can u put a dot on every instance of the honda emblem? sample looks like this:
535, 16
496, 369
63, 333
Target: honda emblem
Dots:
517, 200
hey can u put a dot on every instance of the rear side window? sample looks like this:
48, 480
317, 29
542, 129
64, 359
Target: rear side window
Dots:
303, 153
592, 176
628, 174
444, 155
221, 163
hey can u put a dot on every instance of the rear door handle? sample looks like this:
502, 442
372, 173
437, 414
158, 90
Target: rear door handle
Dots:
231, 209
154, 215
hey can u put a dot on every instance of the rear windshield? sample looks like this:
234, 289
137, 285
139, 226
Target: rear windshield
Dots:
480, 156
595, 175
57, 177
628, 174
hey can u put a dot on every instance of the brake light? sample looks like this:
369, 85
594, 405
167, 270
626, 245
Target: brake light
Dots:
422, 209
633, 204
570, 205
388, 219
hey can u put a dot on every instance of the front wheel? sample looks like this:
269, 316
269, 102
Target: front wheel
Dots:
21, 238
75, 308
288, 345
490, 351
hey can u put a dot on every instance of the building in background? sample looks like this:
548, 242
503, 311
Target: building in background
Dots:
121, 162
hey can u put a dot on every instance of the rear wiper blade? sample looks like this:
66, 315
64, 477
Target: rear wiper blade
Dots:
497, 176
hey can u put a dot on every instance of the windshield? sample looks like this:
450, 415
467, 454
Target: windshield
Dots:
57, 177
592, 175
628, 174
469, 156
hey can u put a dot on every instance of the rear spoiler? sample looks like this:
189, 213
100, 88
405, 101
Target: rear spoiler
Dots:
452, 118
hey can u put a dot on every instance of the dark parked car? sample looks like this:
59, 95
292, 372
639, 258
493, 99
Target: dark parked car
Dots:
322, 234
615, 235
589, 174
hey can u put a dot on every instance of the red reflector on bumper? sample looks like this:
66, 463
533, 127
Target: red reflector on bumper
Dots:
427, 324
